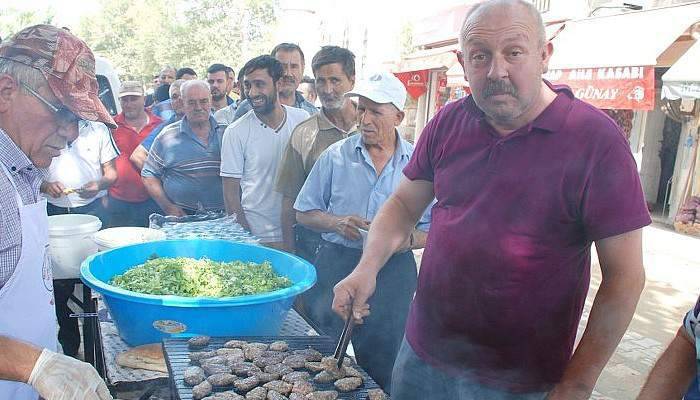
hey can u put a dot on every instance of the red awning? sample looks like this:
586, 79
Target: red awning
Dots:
619, 88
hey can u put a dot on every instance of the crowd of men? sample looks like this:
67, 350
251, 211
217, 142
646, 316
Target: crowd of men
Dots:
197, 149
507, 189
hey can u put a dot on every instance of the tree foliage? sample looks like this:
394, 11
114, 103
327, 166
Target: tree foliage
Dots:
140, 37
12, 20
406, 39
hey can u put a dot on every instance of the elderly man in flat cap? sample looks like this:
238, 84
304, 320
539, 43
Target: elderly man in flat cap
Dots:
47, 84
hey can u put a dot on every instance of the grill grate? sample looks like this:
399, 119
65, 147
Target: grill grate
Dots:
177, 359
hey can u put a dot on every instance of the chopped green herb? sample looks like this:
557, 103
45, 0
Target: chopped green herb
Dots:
190, 277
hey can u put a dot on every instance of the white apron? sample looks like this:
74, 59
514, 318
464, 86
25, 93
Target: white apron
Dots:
26, 301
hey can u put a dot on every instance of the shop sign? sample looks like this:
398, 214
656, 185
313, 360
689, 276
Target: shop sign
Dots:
416, 82
619, 88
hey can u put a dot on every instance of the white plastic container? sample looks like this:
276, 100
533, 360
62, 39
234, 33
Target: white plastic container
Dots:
113, 238
70, 242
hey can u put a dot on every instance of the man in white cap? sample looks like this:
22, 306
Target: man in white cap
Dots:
345, 189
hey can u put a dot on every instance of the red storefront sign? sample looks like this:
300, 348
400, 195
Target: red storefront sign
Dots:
416, 82
619, 88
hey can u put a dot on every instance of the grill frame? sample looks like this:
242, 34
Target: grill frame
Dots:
177, 359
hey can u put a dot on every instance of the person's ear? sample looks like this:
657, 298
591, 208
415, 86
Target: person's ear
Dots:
460, 59
9, 89
399, 117
547, 51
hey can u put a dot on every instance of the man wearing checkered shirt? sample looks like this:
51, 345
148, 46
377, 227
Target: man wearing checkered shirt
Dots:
47, 84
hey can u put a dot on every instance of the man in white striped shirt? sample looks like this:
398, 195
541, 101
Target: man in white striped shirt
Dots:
77, 181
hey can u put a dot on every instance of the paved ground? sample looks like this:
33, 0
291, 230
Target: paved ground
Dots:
672, 264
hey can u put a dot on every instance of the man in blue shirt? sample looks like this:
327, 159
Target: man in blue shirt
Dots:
181, 172
344, 191
292, 59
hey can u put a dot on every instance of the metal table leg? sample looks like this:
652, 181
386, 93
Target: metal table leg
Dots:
99, 355
89, 328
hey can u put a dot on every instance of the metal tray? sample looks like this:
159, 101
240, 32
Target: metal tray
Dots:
177, 359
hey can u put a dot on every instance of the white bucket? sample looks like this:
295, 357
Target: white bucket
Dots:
112, 238
70, 241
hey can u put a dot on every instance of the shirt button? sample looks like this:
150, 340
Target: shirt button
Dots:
13, 169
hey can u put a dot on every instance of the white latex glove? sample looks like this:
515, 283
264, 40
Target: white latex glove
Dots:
59, 377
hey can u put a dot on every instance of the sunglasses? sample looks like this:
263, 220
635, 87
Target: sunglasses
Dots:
65, 116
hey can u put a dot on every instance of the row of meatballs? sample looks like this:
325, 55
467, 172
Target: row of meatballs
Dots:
261, 371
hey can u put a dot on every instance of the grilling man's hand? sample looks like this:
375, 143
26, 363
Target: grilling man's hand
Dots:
353, 293
59, 377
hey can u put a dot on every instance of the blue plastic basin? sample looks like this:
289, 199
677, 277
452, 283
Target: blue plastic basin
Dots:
143, 318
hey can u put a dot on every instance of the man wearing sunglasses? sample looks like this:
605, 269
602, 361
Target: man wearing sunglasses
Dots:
47, 84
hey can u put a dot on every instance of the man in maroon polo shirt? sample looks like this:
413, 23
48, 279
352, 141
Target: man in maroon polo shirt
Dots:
526, 178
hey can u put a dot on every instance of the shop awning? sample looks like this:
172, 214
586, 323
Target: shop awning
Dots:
438, 58
682, 80
631, 39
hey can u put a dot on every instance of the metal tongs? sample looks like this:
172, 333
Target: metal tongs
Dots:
344, 340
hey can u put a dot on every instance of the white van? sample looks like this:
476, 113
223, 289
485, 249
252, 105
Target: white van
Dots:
109, 83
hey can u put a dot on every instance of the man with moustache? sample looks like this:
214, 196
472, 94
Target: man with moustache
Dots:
342, 194
220, 79
251, 152
527, 178
139, 155
182, 170
334, 72
128, 203
292, 59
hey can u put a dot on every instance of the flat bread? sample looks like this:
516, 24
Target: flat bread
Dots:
148, 356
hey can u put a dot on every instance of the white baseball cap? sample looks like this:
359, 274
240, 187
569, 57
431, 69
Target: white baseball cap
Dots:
382, 88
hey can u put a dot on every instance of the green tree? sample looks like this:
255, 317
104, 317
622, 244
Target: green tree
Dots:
13, 20
139, 38
406, 39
